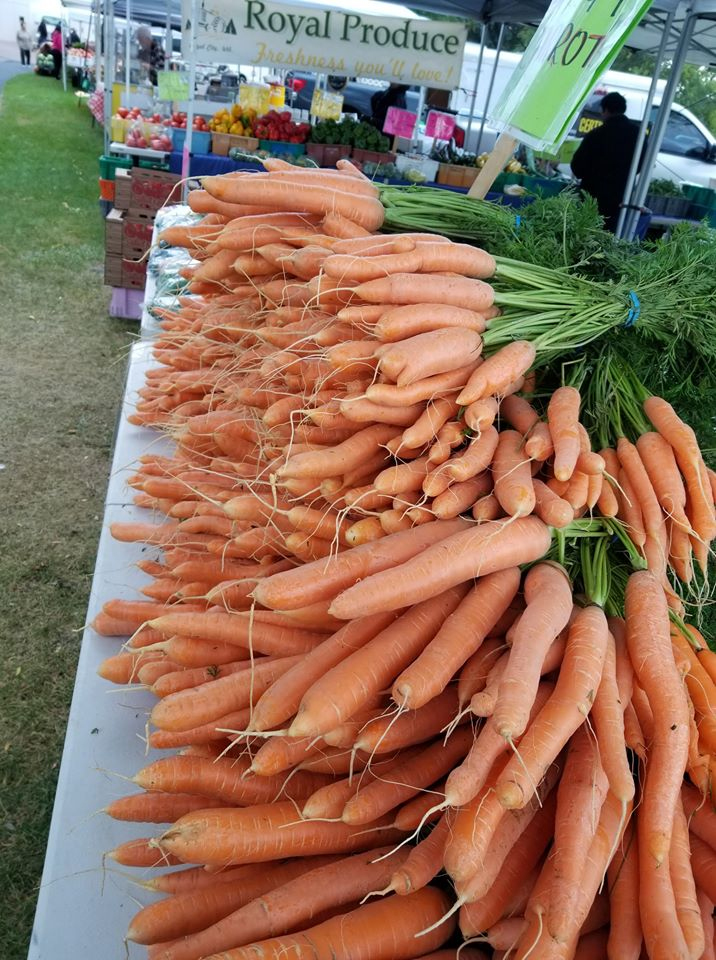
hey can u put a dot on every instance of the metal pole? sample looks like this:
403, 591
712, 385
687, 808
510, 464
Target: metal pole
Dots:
657, 133
97, 41
478, 70
169, 43
127, 47
108, 70
626, 216
186, 159
498, 50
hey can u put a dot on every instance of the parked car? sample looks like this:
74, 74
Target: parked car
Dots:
356, 93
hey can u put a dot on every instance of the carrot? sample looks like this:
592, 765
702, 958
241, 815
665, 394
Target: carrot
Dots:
458, 638
361, 410
701, 815
407, 779
608, 714
498, 371
142, 853
580, 795
282, 699
429, 354
682, 879
328, 802
476, 457
424, 861
387, 927
157, 807
124, 667
193, 911
459, 258
262, 833
641, 485
563, 421
356, 269
519, 413
239, 629
412, 288
563, 713
549, 607
479, 915
660, 464
625, 936
203, 734
194, 878
392, 730
283, 906
323, 580
460, 496
688, 456
198, 675
480, 415
400, 323
552, 509
649, 645
486, 549
203, 703
512, 476
337, 460
344, 689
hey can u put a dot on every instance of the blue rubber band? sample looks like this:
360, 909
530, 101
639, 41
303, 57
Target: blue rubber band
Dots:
635, 310
518, 221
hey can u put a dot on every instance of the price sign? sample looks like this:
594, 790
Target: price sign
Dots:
573, 46
327, 106
277, 96
255, 96
173, 85
400, 123
441, 126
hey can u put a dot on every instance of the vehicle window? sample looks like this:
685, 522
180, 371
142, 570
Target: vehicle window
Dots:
681, 136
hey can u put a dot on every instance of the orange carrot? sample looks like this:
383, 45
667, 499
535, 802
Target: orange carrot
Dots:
563, 420
157, 807
498, 371
512, 476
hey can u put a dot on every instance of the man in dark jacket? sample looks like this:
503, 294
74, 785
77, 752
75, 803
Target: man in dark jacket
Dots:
604, 156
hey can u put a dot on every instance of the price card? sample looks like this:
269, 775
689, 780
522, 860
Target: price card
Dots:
327, 106
400, 123
255, 96
277, 96
574, 44
173, 85
441, 126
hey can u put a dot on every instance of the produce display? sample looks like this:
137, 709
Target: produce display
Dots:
423, 628
234, 120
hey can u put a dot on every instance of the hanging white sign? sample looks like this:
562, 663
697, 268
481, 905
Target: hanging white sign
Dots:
325, 40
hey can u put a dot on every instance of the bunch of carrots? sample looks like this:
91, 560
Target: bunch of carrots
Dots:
398, 726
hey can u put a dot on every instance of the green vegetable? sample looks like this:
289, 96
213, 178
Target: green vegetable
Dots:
664, 188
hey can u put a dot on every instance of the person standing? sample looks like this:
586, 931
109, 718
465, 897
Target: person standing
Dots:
604, 157
57, 50
151, 54
381, 102
42, 32
24, 42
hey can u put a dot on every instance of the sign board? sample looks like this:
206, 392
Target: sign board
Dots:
400, 123
325, 40
441, 126
327, 106
573, 46
173, 85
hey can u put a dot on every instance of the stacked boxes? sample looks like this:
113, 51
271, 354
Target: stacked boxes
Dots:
139, 193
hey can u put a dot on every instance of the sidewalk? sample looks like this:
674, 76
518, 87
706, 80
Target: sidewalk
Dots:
10, 61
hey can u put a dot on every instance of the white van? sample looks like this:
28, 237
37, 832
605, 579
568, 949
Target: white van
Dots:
688, 151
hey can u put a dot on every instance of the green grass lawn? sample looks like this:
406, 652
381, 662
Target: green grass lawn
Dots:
63, 365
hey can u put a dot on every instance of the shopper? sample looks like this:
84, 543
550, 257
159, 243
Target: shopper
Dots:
604, 157
42, 33
57, 52
24, 42
380, 102
151, 54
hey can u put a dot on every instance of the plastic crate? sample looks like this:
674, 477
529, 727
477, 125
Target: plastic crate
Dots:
126, 303
106, 189
221, 143
108, 166
200, 142
282, 148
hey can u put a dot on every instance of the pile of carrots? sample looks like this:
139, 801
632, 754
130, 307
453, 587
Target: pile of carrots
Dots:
394, 724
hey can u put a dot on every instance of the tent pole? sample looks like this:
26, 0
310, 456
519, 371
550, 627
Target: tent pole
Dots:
498, 51
168, 42
626, 216
127, 47
108, 70
186, 159
662, 117
97, 40
478, 70
64, 55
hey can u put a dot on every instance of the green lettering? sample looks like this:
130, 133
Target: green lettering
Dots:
276, 22
313, 27
351, 21
381, 35
294, 22
451, 44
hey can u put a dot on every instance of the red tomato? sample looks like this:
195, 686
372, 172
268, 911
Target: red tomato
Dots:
123, 113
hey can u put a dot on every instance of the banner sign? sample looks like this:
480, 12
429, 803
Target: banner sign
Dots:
441, 126
400, 123
574, 44
325, 40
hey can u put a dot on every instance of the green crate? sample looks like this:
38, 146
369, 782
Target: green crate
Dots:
153, 165
108, 166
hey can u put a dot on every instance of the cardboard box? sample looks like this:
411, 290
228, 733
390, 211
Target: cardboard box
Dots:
153, 189
122, 189
137, 226
113, 231
123, 272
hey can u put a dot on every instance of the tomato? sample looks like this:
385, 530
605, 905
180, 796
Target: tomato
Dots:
123, 112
